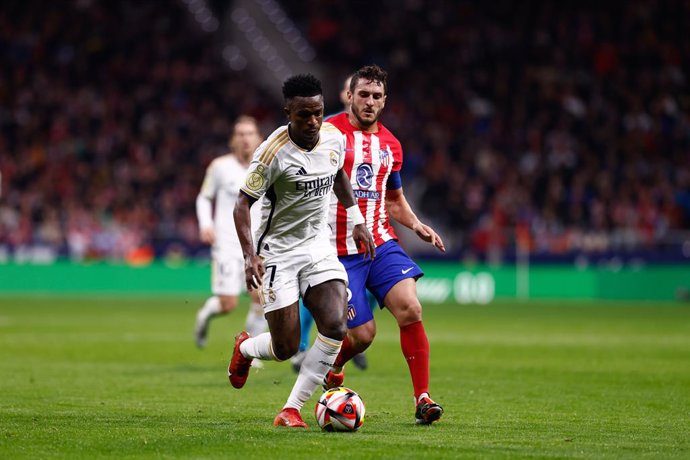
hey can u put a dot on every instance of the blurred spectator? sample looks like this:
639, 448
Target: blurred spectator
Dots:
570, 120
108, 111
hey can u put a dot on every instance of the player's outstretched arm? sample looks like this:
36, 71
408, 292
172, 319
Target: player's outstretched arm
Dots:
360, 233
400, 210
205, 217
204, 205
253, 265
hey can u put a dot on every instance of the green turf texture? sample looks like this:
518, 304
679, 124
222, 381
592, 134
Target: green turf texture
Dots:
121, 378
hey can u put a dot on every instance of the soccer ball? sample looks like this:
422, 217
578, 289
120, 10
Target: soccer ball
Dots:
340, 409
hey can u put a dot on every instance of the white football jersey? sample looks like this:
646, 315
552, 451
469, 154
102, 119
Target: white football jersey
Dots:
222, 182
297, 187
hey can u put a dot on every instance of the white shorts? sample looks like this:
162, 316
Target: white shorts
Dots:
290, 275
227, 276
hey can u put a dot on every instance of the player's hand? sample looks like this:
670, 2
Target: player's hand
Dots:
364, 239
253, 272
207, 235
429, 235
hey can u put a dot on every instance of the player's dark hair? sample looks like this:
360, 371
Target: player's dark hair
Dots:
243, 119
304, 85
370, 73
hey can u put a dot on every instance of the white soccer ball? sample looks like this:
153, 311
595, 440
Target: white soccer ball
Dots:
340, 409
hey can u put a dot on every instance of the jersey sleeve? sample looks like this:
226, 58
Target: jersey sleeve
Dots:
397, 157
204, 213
262, 172
343, 144
210, 185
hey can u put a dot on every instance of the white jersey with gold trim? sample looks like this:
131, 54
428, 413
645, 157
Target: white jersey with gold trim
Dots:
221, 185
222, 182
297, 187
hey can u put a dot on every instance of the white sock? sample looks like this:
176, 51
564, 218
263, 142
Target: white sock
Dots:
256, 323
210, 308
258, 347
316, 364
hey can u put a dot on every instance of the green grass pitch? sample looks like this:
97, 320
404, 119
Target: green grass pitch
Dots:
121, 378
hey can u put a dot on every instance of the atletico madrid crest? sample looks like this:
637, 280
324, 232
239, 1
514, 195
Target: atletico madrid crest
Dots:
385, 156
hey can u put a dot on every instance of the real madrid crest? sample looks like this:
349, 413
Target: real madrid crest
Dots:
255, 180
334, 159
271, 295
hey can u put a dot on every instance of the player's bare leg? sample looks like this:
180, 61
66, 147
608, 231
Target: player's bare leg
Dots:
216, 305
306, 322
277, 345
357, 340
327, 303
360, 360
255, 323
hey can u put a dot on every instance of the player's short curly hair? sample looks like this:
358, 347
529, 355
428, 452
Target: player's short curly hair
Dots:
304, 85
370, 73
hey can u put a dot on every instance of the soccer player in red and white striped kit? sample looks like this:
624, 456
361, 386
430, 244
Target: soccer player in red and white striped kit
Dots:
373, 158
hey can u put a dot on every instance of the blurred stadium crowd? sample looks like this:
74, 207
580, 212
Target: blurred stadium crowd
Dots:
109, 114
561, 127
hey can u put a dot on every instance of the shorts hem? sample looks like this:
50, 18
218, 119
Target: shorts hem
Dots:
226, 293
274, 308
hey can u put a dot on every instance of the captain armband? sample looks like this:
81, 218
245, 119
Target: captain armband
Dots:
355, 215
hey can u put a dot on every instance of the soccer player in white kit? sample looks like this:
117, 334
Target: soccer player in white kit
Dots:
224, 176
295, 170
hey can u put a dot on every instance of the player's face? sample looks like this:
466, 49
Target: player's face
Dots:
368, 100
306, 116
245, 139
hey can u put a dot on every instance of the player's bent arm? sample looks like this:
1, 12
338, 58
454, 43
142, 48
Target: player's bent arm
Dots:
400, 210
343, 191
205, 218
253, 266
243, 223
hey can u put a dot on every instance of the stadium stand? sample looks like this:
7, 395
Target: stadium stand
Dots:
566, 122
554, 127
109, 113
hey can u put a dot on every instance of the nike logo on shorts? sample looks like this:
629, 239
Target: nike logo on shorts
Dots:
404, 272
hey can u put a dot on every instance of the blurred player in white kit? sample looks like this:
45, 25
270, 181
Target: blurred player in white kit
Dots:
221, 186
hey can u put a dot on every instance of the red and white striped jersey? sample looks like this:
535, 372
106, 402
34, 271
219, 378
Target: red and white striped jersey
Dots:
369, 160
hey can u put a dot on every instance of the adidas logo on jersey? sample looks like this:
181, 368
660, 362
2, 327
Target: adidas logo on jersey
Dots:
301, 171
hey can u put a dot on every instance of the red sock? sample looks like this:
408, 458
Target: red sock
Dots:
346, 353
415, 348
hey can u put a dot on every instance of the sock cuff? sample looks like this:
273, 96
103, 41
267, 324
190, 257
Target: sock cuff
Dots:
412, 326
243, 348
273, 353
328, 341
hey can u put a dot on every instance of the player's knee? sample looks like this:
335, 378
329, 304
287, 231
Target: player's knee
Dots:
335, 330
227, 303
362, 336
255, 300
408, 312
285, 350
